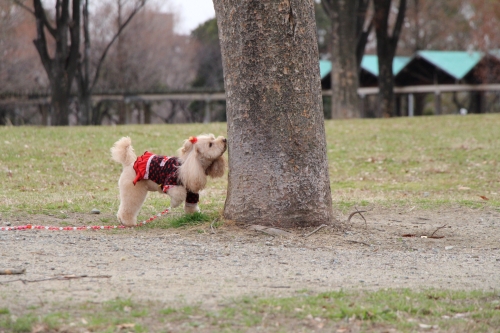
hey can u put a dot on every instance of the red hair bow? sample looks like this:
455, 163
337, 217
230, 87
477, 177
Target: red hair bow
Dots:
193, 139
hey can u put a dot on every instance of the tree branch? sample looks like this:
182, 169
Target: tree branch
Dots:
115, 37
74, 27
23, 6
362, 40
327, 7
398, 25
361, 16
32, 12
40, 41
360, 33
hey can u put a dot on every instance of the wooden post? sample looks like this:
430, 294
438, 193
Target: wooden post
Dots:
147, 113
437, 101
411, 105
207, 117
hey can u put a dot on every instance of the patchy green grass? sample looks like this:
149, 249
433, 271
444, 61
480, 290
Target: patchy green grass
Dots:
57, 171
339, 311
427, 162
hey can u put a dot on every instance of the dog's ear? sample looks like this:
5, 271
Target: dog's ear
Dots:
191, 173
217, 168
185, 149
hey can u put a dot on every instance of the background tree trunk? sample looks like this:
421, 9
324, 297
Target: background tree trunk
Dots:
387, 42
345, 101
61, 68
348, 40
278, 168
85, 83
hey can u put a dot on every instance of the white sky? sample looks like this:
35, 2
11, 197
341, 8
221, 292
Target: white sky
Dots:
191, 13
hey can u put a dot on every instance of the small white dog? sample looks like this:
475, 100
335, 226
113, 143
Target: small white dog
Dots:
180, 177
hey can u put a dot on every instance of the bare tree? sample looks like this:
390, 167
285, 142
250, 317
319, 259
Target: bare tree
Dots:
387, 42
349, 36
278, 168
86, 82
61, 66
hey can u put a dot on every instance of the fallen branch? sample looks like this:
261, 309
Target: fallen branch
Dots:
315, 230
356, 242
357, 212
64, 277
12, 271
437, 230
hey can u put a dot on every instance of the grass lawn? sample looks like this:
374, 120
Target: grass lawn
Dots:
381, 311
424, 162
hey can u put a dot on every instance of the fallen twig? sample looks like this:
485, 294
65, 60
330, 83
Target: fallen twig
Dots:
357, 242
437, 230
12, 271
64, 277
315, 230
270, 231
357, 212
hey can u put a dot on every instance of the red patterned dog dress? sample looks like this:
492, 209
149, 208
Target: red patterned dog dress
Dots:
163, 171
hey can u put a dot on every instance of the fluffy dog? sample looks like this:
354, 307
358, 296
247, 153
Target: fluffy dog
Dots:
182, 177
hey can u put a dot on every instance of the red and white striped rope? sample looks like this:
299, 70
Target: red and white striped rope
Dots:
89, 227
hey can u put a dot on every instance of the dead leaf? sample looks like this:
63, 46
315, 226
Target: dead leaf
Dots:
39, 329
127, 325
483, 197
409, 235
425, 326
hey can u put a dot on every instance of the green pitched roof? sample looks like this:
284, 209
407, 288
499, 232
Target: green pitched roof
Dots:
455, 63
370, 64
325, 67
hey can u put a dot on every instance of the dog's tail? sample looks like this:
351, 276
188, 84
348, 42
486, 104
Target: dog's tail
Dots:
123, 152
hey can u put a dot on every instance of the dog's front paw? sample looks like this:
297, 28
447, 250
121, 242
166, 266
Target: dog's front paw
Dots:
190, 208
130, 222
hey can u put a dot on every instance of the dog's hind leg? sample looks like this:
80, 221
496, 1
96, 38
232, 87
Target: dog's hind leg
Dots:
131, 197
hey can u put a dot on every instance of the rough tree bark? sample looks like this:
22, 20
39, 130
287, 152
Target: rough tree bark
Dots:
387, 43
347, 49
278, 168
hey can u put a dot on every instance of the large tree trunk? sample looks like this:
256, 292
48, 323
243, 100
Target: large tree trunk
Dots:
278, 168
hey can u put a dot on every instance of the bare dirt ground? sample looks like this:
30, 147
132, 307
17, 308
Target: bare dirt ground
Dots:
197, 265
